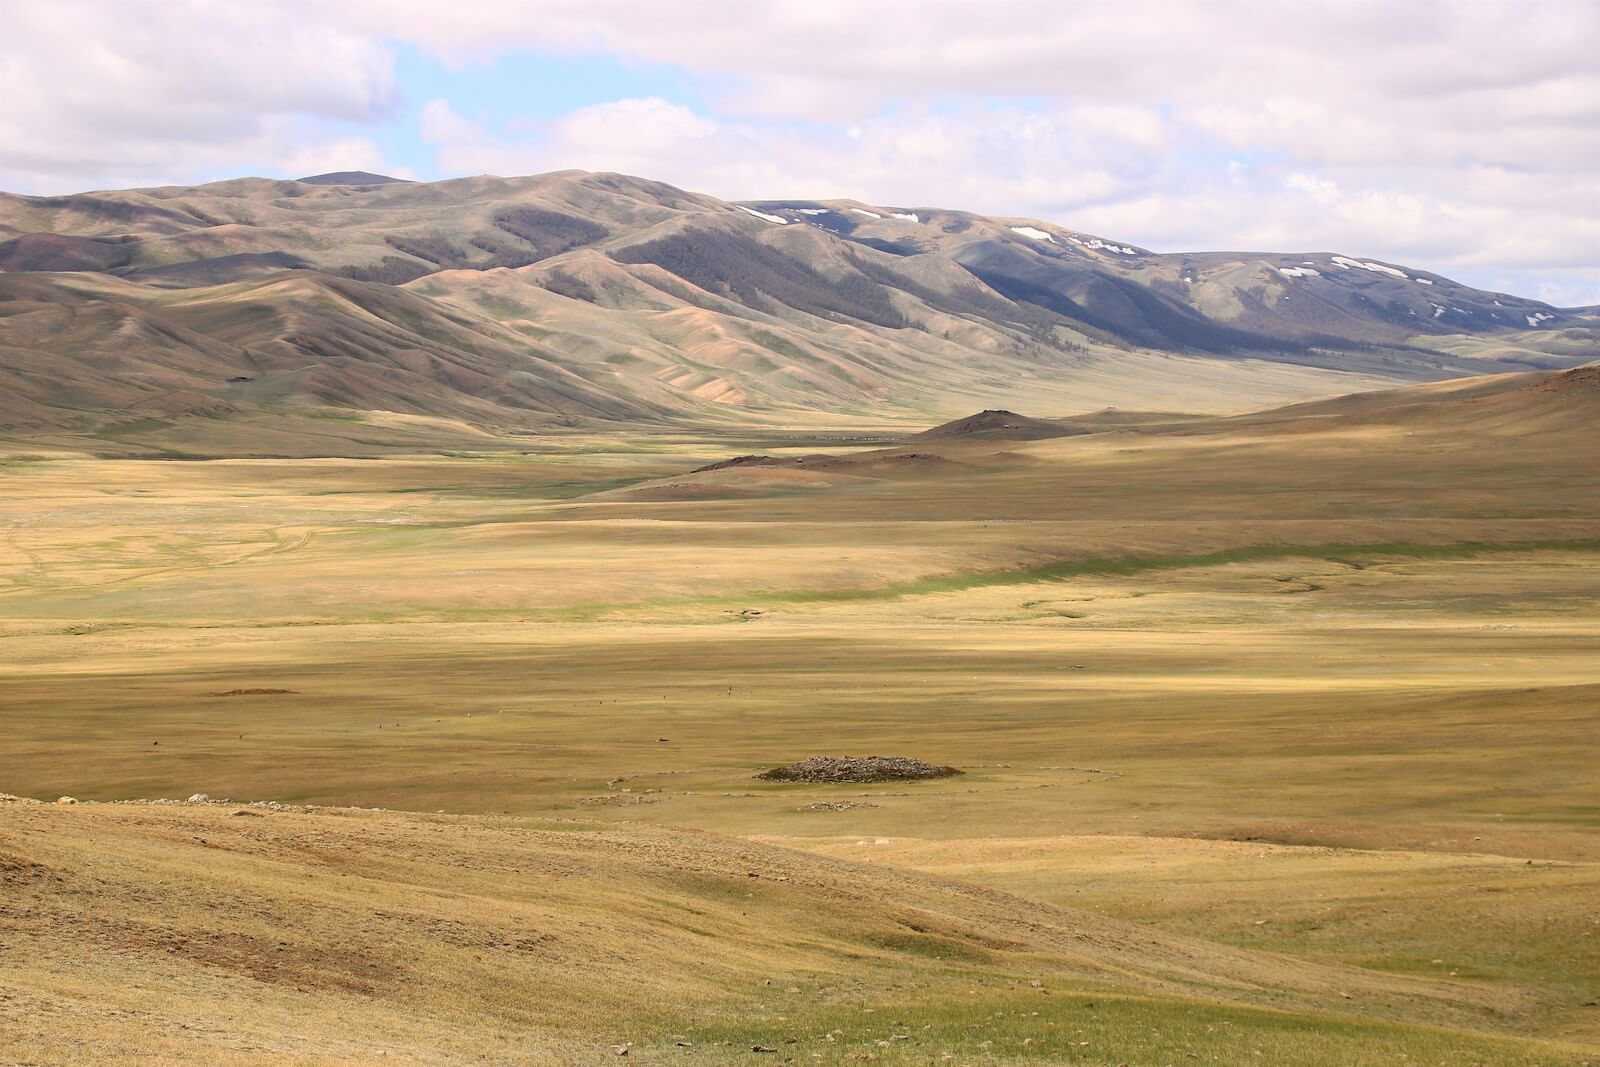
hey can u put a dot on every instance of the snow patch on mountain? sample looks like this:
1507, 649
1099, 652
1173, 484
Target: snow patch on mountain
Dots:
1537, 317
1378, 268
908, 215
778, 220
812, 210
868, 214
1034, 232
1105, 246
1299, 272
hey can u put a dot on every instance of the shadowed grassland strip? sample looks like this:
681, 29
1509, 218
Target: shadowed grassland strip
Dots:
1347, 553
1125, 566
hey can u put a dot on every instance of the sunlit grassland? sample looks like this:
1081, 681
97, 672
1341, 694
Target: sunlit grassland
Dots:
1263, 693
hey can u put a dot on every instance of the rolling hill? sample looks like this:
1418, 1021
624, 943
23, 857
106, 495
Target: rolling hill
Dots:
528, 303
1432, 438
360, 936
74, 347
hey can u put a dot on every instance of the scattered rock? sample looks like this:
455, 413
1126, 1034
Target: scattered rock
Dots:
741, 461
624, 798
857, 769
253, 692
622, 1049
839, 805
251, 814
199, 798
66, 800
761, 1048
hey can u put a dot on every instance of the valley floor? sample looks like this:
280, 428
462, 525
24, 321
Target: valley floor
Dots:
1274, 752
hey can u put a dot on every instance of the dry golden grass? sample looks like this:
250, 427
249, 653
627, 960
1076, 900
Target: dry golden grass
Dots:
195, 933
1340, 682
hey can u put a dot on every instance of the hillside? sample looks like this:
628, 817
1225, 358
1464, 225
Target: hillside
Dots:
77, 347
1495, 406
569, 296
254, 934
997, 425
1435, 438
349, 177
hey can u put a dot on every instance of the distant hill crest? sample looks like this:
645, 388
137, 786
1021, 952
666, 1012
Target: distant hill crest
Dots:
352, 177
997, 424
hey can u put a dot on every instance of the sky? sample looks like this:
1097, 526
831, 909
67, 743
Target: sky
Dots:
1461, 137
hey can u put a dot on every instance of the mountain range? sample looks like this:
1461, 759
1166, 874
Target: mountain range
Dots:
573, 298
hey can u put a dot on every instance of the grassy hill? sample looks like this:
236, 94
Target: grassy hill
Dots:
240, 934
526, 303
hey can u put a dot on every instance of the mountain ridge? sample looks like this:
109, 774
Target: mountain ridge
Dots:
606, 297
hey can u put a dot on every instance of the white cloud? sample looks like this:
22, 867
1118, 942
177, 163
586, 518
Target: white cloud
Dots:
109, 93
1051, 165
644, 127
1320, 190
1459, 137
323, 155
985, 159
636, 136
1576, 289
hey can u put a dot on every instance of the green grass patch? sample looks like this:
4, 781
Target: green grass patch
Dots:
1038, 1026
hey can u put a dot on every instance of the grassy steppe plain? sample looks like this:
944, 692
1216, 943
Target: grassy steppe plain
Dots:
1313, 709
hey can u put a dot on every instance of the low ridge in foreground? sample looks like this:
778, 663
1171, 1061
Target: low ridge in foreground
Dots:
226, 934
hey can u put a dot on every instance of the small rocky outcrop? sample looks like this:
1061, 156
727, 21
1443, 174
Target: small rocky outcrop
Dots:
857, 769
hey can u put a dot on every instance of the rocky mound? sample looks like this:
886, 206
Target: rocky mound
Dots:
852, 462
743, 461
1579, 380
857, 769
